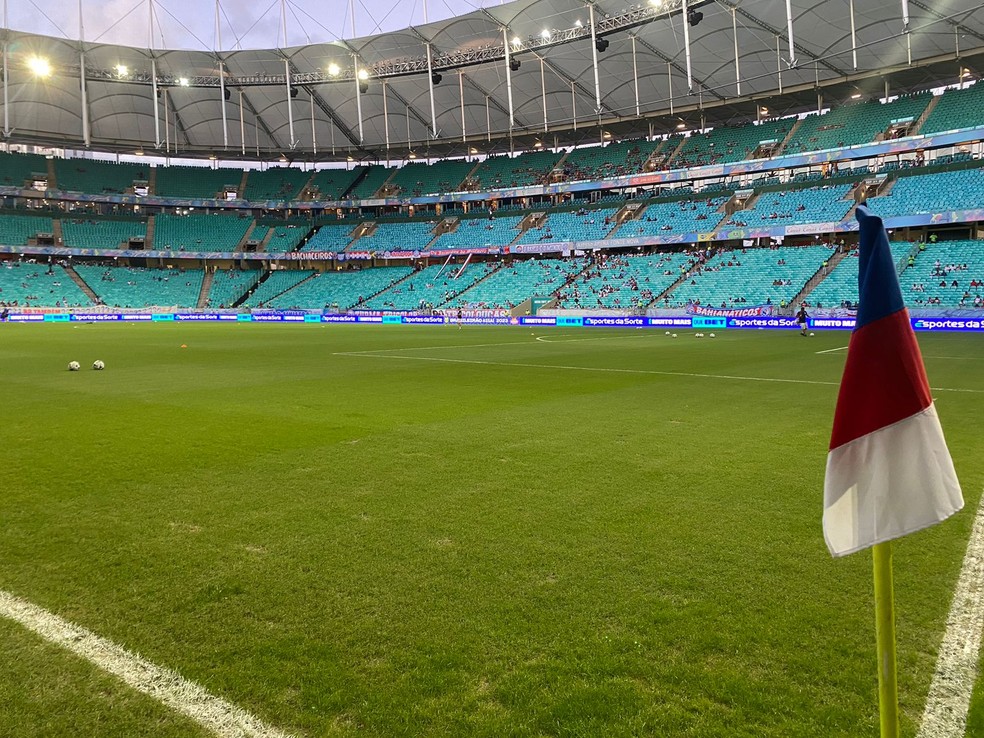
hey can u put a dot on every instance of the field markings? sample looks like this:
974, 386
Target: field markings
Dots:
953, 682
830, 351
613, 370
164, 685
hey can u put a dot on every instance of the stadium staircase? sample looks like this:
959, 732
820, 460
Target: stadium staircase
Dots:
266, 275
241, 192
77, 278
917, 126
821, 274
355, 182
149, 238
655, 159
56, 229
152, 181
207, 280
501, 265
789, 137
676, 283
673, 154
52, 178
388, 287
249, 233
266, 239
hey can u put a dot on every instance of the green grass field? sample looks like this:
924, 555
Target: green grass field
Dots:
462, 533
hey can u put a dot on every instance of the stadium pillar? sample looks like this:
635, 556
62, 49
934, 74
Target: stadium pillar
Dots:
358, 89
594, 56
779, 64
854, 38
543, 94
505, 45
635, 76
157, 113
461, 95
734, 31
222, 102
789, 34
86, 138
386, 124
686, 46
314, 132
290, 108
430, 89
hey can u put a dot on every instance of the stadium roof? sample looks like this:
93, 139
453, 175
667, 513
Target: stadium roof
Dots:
446, 88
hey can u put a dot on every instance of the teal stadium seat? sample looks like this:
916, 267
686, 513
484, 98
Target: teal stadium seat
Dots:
196, 182
18, 230
135, 287
275, 183
98, 177
228, 285
608, 283
344, 289
199, 232
480, 233
35, 285
418, 178
101, 233
513, 283
435, 285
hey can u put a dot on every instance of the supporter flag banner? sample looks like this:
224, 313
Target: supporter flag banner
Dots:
889, 471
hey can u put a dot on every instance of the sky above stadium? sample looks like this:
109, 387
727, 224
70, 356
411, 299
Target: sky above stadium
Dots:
191, 24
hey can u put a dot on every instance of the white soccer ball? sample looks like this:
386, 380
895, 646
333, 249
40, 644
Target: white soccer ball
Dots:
712, 335
74, 366
812, 333
98, 365
674, 335
667, 333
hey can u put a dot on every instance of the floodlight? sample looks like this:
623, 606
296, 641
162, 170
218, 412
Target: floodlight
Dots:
516, 41
545, 34
122, 70
184, 81
363, 74
334, 69
39, 66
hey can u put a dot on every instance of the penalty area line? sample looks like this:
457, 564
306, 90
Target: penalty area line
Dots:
164, 685
948, 702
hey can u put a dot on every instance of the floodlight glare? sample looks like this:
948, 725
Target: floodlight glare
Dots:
363, 74
122, 70
545, 34
333, 69
184, 81
39, 66
516, 41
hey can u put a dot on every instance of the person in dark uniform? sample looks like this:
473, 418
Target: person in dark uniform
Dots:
801, 317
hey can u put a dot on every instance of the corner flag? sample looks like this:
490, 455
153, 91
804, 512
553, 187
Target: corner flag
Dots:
889, 471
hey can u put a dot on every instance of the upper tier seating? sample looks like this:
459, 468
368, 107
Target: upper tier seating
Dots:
275, 183
286, 237
37, 285
853, 124
344, 289
331, 184
931, 193
755, 276
417, 178
412, 236
16, 170
199, 232
674, 218
614, 160
369, 185
519, 281
98, 177
789, 207
729, 144
480, 232
196, 182
956, 109
17, 230
841, 284
93, 233
331, 238
499, 172
133, 287
623, 282
434, 286
228, 285
581, 225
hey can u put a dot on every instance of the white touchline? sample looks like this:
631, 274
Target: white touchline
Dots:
948, 701
220, 717
830, 351
615, 370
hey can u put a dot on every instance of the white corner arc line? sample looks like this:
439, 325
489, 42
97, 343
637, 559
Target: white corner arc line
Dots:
945, 715
164, 685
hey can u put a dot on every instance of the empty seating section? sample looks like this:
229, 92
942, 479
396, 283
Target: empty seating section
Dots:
196, 182
199, 232
674, 218
790, 207
841, 284
519, 281
98, 177
286, 237
417, 178
369, 185
277, 282
942, 275
734, 278
432, 286
729, 144
17, 230
397, 237
622, 282
581, 225
228, 285
956, 109
33, 285
331, 238
497, 172
90, 233
613, 160
341, 289
332, 184
18, 169
480, 232
133, 287
929, 193
853, 124
275, 183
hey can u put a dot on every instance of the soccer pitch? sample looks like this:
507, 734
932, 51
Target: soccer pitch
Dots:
383, 531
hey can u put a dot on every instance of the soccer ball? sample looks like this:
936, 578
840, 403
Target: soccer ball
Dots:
98, 365
812, 333
74, 366
674, 335
712, 335
667, 333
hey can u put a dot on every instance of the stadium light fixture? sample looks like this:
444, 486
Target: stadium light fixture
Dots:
681, 125
516, 41
122, 71
856, 96
538, 144
964, 73
472, 150
412, 155
436, 78
578, 24
363, 74
601, 44
334, 69
545, 34
39, 66
515, 64
655, 3
694, 17
184, 81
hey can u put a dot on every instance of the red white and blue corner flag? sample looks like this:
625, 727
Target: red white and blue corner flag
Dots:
889, 471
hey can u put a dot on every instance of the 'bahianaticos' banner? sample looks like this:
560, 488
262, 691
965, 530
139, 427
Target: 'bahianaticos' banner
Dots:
730, 312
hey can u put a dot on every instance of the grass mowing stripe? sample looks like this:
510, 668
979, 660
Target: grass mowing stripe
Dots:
212, 713
618, 370
950, 691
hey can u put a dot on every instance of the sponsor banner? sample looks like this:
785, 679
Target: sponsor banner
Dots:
832, 323
339, 319
615, 322
537, 320
948, 324
762, 322
669, 322
730, 312
487, 320
137, 317
94, 317
425, 319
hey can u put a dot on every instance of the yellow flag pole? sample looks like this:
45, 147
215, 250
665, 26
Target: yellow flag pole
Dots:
888, 688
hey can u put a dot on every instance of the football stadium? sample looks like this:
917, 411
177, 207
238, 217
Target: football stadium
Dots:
492, 368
